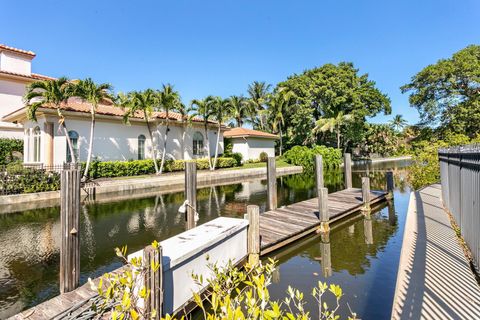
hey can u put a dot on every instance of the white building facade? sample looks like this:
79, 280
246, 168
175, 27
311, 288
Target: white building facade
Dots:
251, 143
15, 75
45, 142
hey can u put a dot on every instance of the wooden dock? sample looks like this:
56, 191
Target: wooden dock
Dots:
287, 224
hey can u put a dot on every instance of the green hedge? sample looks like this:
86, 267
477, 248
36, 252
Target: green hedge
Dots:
110, 169
16, 179
304, 156
7, 148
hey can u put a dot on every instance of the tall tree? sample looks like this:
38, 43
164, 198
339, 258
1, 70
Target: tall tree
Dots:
398, 123
203, 108
186, 119
240, 109
447, 93
333, 124
220, 113
144, 103
92, 93
258, 94
50, 92
169, 100
326, 91
278, 105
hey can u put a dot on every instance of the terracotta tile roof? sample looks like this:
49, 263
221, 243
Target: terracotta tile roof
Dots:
12, 49
33, 76
244, 132
108, 109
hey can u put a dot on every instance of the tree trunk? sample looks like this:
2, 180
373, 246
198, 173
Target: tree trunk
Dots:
281, 138
216, 147
154, 154
183, 140
65, 132
338, 138
90, 144
208, 147
164, 146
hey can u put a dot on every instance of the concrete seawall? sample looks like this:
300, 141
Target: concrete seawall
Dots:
118, 189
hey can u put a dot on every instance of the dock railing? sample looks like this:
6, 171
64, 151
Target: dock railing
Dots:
460, 179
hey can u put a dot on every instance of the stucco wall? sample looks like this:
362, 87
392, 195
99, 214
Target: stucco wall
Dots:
17, 63
117, 141
256, 146
11, 95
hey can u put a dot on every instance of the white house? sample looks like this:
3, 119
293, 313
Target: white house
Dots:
45, 143
15, 75
250, 143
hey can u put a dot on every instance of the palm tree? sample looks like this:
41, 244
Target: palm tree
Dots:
258, 95
93, 93
220, 113
239, 109
55, 92
398, 123
144, 102
277, 106
204, 109
186, 119
169, 100
334, 123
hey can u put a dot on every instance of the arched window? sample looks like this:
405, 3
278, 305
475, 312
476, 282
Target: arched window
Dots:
36, 144
74, 139
198, 149
141, 147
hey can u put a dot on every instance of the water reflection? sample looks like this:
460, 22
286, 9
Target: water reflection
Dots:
29, 240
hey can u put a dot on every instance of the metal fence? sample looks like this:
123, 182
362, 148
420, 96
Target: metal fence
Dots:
460, 178
18, 178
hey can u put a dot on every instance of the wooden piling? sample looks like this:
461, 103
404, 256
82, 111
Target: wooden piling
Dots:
253, 234
191, 193
319, 172
271, 184
390, 184
323, 213
70, 227
366, 193
153, 281
347, 169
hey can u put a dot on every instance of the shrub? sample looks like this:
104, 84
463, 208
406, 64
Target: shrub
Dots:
238, 157
16, 179
263, 156
304, 156
110, 169
8, 148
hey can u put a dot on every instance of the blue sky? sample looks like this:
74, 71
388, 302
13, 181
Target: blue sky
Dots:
219, 47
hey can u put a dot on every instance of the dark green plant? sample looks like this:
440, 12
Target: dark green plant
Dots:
17, 179
7, 149
238, 157
263, 156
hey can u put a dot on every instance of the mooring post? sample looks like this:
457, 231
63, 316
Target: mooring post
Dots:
191, 193
347, 166
153, 277
70, 227
271, 183
323, 213
253, 234
366, 194
390, 184
319, 172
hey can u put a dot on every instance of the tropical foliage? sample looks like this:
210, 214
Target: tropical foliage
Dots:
304, 156
8, 148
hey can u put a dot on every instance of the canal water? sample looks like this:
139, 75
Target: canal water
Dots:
363, 255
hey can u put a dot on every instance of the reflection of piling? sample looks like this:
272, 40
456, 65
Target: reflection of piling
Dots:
276, 275
326, 255
390, 184
392, 218
367, 229
351, 229
366, 194
271, 184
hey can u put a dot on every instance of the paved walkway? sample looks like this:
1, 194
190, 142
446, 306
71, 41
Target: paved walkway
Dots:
434, 278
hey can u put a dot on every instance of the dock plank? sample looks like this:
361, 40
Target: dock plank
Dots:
285, 225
